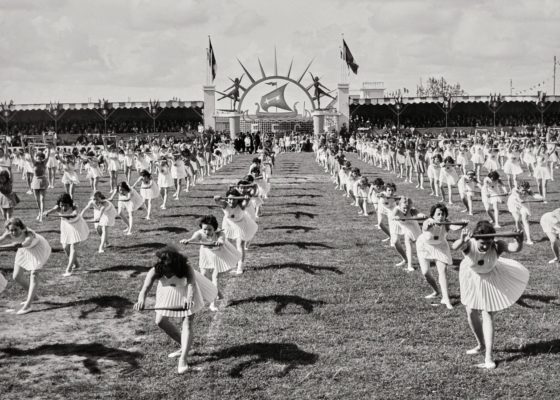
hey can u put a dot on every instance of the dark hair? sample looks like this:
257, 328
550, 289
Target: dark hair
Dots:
256, 160
169, 258
124, 186
525, 186
209, 220
248, 179
449, 160
494, 175
16, 222
356, 170
100, 195
439, 206
378, 182
483, 227
437, 157
390, 185
145, 174
65, 198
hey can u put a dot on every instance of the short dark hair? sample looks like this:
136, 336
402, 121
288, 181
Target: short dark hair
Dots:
209, 220
484, 227
170, 258
439, 206
65, 198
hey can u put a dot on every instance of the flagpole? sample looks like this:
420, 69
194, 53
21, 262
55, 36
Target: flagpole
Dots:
207, 66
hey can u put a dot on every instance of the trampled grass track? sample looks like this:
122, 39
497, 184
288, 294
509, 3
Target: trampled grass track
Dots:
321, 312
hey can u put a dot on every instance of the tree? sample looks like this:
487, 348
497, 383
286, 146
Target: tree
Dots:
436, 87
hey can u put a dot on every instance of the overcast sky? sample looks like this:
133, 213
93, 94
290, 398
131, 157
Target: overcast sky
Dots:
69, 51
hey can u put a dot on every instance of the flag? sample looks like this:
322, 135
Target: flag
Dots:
348, 57
212, 60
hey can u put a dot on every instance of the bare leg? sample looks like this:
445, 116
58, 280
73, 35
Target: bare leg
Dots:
425, 268
186, 343
488, 333
475, 324
402, 253
168, 327
442, 273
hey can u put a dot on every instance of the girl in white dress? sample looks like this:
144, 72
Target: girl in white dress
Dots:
448, 177
128, 201
217, 254
491, 197
73, 230
517, 204
237, 224
8, 199
550, 224
434, 170
93, 171
512, 166
542, 172
149, 190
52, 165
468, 186
32, 254
404, 222
432, 246
488, 282
104, 214
178, 173
112, 166
477, 156
181, 292
69, 175
165, 180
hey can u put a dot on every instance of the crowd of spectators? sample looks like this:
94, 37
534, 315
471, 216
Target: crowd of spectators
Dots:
456, 120
113, 127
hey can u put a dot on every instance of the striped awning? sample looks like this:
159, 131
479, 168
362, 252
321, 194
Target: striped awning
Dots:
354, 100
114, 105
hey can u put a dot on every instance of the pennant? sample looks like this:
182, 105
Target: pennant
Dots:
212, 59
349, 58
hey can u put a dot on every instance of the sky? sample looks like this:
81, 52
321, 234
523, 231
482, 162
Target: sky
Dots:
77, 50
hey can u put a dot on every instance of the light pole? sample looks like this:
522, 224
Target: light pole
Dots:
541, 105
398, 108
104, 110
446, 107
494, 103
55, 111
154, 110
7, 113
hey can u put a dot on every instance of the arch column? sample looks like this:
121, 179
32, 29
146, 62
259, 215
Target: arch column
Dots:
209, 106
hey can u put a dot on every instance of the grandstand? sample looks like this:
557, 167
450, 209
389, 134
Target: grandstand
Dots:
375, 112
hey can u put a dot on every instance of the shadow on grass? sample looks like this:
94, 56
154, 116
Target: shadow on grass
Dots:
301, 245
118, 303
181, 215
169, 229
92, 352
293, 204
141, 246
51, 231
136, 269
299, 195
292, 228
533, 349
287, 354
307, 268
282, 301
536, 297
297, 214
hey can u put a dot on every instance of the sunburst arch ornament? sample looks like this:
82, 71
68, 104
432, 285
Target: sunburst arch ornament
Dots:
275, 98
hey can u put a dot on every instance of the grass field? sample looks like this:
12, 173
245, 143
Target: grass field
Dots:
321, 312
